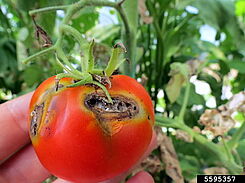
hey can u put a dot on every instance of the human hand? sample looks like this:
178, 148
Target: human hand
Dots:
18, 161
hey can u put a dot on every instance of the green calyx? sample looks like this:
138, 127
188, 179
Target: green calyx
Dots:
88, 73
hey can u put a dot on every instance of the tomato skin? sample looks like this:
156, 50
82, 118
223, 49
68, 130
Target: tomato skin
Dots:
71, 143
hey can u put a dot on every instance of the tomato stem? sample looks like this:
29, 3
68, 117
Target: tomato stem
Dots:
237, 136
91, 57
39, 54
47, 9
185, 102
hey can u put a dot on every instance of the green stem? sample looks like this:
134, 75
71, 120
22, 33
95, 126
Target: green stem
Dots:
68, 70
129, 36
83, 3
82, 42
39, 54
227, 150
166, 122
236, 136
65, 75
48, 9
91, 56
185, 102
155, 21
237, 157
61, 54
75, 33
86, 78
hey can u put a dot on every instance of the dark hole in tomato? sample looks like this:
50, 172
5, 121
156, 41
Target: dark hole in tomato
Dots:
121, 107
36, 116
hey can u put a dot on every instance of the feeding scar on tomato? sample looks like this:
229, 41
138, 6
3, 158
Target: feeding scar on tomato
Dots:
121, 108
36, 117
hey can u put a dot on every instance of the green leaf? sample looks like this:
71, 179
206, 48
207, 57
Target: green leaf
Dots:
131, 10
190, 167
33, 74
182, 4
179, 74
239, 117
239, 83
216, 87
240, 7
102, 34
8, 55
85, 19
238, 65
25, 5
174, 86
241, 149
224, 67
211, 12
220, 14
194, 99
215, 52
4, 61
47, 22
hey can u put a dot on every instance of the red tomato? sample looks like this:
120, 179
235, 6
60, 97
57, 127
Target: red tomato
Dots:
79, 136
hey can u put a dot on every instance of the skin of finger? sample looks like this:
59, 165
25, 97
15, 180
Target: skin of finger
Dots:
23, 167
13, 126
145, 176
141, 177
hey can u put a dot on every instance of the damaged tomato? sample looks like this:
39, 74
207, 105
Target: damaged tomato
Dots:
80, 136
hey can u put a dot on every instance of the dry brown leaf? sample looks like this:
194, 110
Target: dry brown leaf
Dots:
216, 171
152, 164
236, 103
212, 73
144, 12
169, 157
216, 122
219, 121
182, 135
193, 65
143, 80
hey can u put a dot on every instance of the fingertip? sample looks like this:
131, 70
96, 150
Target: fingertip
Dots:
61, 181
141, 177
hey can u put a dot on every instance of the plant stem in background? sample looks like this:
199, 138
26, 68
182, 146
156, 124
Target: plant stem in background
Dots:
47, 9
237, 136
185, 102
129, 37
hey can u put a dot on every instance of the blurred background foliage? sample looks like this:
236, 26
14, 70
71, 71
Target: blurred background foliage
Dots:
206, 34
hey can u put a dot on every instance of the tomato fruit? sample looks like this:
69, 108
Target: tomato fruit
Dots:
79, 136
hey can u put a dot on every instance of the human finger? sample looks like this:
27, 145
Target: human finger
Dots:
13, 125
23, 167
141, 177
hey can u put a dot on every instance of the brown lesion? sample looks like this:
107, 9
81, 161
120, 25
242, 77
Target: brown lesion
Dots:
122, 108
36, 117
39, 109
